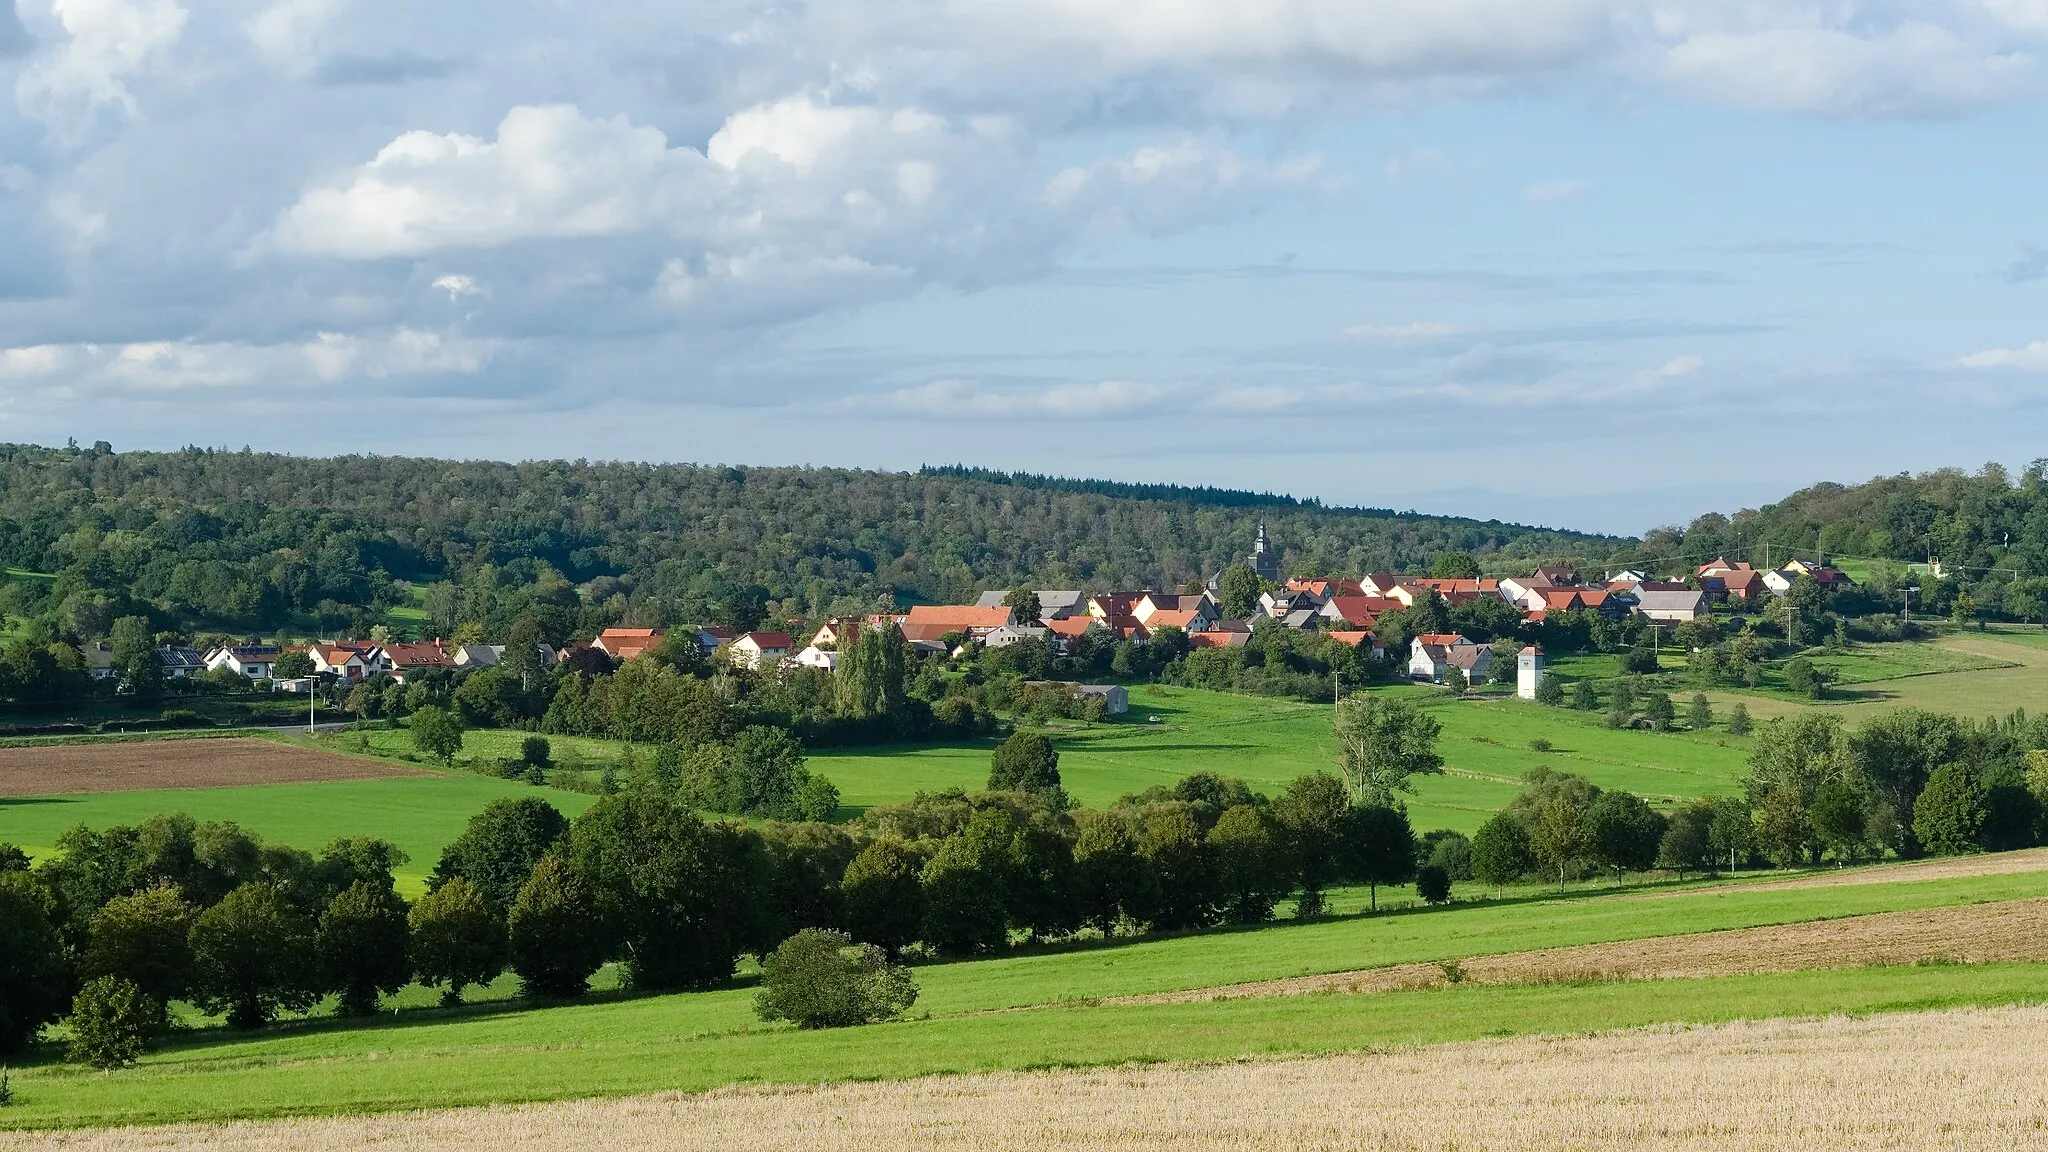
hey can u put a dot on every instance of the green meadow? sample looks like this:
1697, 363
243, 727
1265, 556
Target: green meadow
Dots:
694, 1041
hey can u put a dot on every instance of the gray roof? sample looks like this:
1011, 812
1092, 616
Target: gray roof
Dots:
1050, 601
1669, 601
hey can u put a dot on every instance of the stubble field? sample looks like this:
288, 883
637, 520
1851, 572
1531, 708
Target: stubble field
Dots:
1959, 1079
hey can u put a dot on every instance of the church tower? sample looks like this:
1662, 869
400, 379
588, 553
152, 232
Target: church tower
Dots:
1263, 559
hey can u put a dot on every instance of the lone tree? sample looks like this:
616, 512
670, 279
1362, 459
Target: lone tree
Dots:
1700, 716
1237, 592
1585, 697
253, 956
1023, 602
1384, 742
112, 1023
820, 979
436, 732
1382, 847
1026, 762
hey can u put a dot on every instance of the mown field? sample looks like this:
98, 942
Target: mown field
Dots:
699, 1041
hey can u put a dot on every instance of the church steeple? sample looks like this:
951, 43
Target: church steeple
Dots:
1263, 559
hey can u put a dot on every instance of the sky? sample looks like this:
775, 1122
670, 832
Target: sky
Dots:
1583, 263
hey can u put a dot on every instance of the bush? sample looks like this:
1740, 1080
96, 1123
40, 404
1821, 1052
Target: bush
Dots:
1585, 697
1433, 884
1026, 762
1550, 691
882, 895
1539, 745
1738, 720
536, 750
1700, 715
817, 800
112, 1023
820, 979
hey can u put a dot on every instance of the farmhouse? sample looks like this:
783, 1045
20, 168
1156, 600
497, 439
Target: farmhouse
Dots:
931, 621
759, 649
1052, 605
339, 660
1672, 603
1116, 700
1433, 653
179, 662
250, 660
625, 643
99, 660
1009, 634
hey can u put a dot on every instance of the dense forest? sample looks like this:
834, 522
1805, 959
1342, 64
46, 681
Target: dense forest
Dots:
245, 542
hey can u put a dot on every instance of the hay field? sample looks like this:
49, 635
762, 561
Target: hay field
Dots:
1937, 868
124, 766
2007, 931
1960, 1079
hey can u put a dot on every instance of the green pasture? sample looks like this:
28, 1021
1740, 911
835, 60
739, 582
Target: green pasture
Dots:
696, 1041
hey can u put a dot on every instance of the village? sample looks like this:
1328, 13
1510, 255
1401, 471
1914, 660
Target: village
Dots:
1345, 610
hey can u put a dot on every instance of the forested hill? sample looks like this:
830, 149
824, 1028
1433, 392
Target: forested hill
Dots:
250, 540
1988, 527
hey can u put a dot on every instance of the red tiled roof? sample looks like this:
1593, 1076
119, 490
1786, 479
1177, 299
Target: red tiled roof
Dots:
626, 643
768, 640
1442, 639
416, 656
1174, 619
958, 617
1070, 626
1353, 638
1218, 639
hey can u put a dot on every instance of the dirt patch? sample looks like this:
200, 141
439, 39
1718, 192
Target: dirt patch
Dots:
1968, 1079
1943, 868
133, 765
2014, 930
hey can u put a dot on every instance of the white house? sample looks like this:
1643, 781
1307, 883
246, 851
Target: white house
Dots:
1009, 634
1671, 606
761, 649
816, 657
179, 662
250, 660
1433, 653
335, 660
99, 660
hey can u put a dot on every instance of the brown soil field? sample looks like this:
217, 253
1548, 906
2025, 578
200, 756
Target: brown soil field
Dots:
132, 765
2014, 930
1955, 1080
1941, 868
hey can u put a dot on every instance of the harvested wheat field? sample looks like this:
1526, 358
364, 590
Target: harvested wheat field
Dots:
1959, 1080
142, 764
1939, 868
2015, 930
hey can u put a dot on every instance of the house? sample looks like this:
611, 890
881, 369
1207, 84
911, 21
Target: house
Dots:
836, 632
1196, 604
338, 660
1627, 578
816, 657
401, 658
99, 660
1358, 638
1219, 638
1432, 653
250, 660
1301, 619
1721, 564
1057, 604
711, 637
1382, 583
1781, 581
1009, 634
1281, 604
1068, 629
180, 663
1673, 606
971, 620
1191, 620
1745, 584
1325, 589
624, 644
1126, 628
758, 649
1104, 605
1460, 591
1555, 576
1358, 611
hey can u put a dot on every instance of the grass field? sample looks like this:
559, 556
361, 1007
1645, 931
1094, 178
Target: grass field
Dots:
1958, 1079
702, 1040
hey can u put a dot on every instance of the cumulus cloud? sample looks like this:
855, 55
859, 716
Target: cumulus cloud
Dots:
2030, 358
286, 32
105, 42
170, 365
1410, 333
964, 399
1681, 366
457, 286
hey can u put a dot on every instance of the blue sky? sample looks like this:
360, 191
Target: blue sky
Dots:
1585, 263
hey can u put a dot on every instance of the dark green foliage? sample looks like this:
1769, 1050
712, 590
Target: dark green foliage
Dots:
1784, 829
882, 895
962, 894
1026, 762
364, 942
1624, 831
1384, 741
1173, 848
1699, 715
1802, 677
817, 799
1454, 566
680, 898
868, 679
1448, 850
760, 773
113, 1023
1550, 691
554, 934
1837, 814
536, 751
1433, 884
1315, 822
1659, 709
1382, 847
1949, 816
1687, 844
292, 666
458, 938
499, 847
820, 979
144, 939
801, 869
253, 956
33, 980
436, 732
1585, 697
1738, 720
1112, 884
351, 860
1251, 866
1237, 593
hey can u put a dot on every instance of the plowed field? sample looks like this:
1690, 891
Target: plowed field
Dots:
148, 764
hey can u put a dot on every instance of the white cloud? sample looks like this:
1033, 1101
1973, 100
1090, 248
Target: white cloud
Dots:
1681, 366
962, 399
457, 286
106, 42
2031, 358
1549, 192
85, 225
169, 365
36, 360
1410, 333
286, 32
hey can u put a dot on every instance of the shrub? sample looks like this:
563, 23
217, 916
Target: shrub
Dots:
536, 750
112, 1023
1539, 745
1585, 697
1026, 762
1738, 720
555, 932
1700, 715
1501, 852
1550, 691
1455, 681
820, 979
1433, 884
817, 799
458, 938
